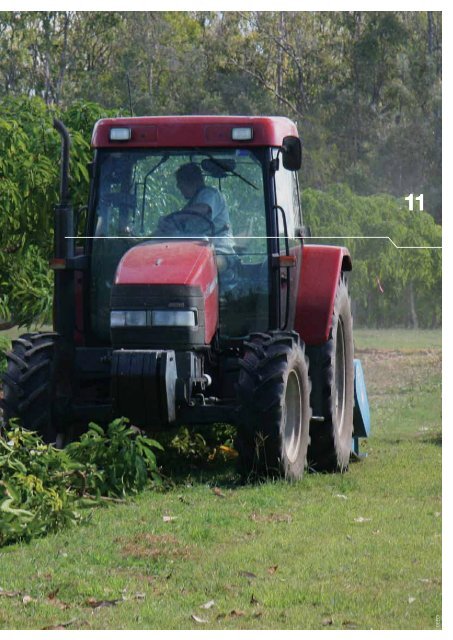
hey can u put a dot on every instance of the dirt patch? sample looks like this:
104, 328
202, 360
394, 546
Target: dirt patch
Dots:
271, 517
396, 353
148, 545
387, 371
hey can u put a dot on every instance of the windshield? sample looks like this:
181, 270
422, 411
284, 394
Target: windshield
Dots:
153, 194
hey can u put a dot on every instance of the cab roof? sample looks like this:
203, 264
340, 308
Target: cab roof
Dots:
193, 131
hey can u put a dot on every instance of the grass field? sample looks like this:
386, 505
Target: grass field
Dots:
355, 551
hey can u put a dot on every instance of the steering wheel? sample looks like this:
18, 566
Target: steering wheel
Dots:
179, 220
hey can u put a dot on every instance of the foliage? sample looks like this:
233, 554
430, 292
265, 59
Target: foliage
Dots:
42, 488
189, 444
205, 444
117, 461
5, 344
36, 496
364, 86
27, 286
29, 181
389, 286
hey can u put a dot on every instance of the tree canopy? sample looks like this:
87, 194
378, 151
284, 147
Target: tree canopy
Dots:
389, 285
363, 87
29, 181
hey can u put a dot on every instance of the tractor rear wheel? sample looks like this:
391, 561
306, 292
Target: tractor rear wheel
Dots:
332, 373
274, 396
28, 384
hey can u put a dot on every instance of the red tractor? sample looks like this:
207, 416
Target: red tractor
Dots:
191, 298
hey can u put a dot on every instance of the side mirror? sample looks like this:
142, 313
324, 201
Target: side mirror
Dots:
303, 232
292, 153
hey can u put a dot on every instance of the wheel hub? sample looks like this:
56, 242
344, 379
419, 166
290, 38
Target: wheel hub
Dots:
293, 417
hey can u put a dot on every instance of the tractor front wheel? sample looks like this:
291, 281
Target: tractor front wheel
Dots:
274, 397
28, 384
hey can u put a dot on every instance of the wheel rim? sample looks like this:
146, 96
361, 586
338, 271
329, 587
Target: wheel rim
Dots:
293, 417
340, 376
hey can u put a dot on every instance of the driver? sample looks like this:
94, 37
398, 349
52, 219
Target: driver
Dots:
207, 201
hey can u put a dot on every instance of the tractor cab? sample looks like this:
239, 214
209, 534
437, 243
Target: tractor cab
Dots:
252, 211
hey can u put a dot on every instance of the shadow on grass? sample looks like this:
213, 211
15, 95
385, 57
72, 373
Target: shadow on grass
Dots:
204, 454
434, 438
182, 472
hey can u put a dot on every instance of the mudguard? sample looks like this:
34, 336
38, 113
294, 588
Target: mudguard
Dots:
320, 274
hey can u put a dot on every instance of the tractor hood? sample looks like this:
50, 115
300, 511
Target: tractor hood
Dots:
183, 263
165, 280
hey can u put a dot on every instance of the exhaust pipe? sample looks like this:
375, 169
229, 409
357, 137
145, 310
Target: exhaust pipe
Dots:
64, 215
64, 249
64, 171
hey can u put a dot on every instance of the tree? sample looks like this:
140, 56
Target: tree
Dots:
29, 180
389, 286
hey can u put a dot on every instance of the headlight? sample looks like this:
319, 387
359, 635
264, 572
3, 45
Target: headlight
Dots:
128, 319
135, 318
160, 318
117, 318
173, 318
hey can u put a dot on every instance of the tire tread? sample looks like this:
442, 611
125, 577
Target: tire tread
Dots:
28, 383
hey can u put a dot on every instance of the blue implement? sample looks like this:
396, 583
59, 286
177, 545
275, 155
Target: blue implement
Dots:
361, 418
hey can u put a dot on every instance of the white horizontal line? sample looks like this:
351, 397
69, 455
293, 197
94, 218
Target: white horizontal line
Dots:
368, 238
243, 238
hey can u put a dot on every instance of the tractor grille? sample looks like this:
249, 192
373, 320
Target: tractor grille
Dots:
129, 297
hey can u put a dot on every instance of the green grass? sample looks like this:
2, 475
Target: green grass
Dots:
398, 339
359, 550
